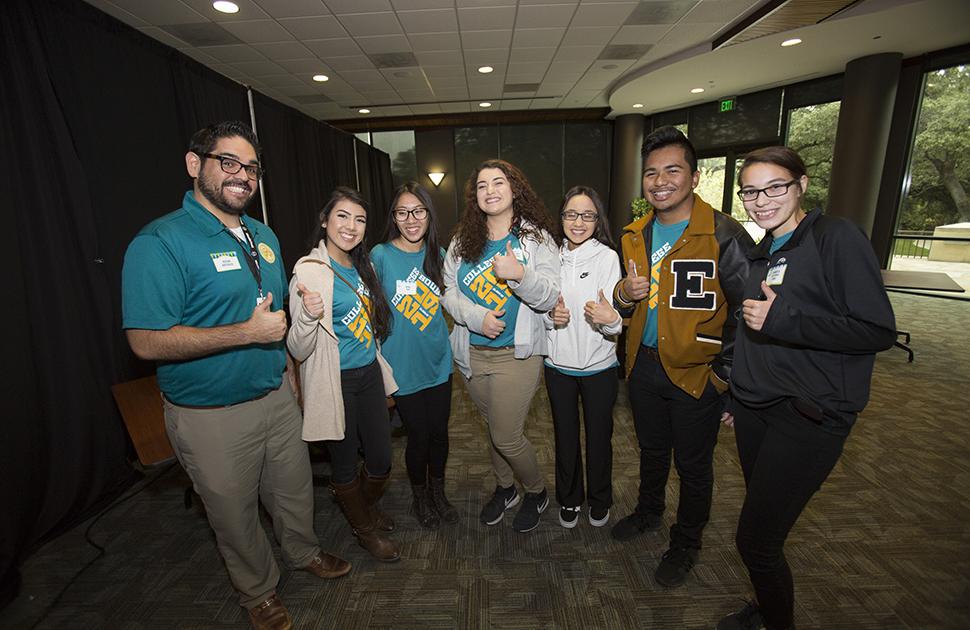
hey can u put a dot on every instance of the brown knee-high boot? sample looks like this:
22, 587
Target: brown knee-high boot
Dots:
361, 520
373, 489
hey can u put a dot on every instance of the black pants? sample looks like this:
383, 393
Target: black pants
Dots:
425, 414
365, 424
785, 458
666, 418
598, 393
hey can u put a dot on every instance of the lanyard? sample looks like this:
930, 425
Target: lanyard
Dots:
252, 257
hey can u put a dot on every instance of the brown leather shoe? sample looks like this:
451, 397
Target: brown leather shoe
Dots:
327, 566
373, 489
362, 521
270, 615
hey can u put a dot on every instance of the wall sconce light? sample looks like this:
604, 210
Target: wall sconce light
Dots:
436, 177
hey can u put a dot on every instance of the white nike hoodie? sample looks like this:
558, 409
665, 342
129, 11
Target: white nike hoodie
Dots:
579, 345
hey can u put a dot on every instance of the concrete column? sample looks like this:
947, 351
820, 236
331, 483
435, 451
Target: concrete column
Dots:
627, 168
865, 119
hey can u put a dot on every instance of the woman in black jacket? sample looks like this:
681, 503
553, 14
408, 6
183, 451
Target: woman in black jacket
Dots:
815, 315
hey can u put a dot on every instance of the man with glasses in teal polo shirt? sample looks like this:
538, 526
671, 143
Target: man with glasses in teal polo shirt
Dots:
203, 290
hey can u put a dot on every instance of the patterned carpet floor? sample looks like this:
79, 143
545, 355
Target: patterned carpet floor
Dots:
884, 544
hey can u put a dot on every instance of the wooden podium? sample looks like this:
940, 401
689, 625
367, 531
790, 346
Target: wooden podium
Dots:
140, 403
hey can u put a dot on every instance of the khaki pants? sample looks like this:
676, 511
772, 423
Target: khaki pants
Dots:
237, 456
502, 388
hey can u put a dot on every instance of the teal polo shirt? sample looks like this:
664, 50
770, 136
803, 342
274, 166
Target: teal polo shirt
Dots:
187, 269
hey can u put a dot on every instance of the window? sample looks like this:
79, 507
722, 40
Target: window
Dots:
399, 145
811, 133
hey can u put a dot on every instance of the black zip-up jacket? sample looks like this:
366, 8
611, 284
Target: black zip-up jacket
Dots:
831, 315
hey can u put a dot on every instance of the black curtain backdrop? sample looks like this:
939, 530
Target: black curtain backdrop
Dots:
376, 184
95, 122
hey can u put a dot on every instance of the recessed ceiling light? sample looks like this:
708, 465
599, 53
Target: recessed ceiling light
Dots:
320, 78
486, 69
485, 104
363, 110
638, 106
791, 42
225, 7
697, 90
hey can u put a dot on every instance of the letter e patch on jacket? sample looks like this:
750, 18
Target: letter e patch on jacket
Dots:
689, 290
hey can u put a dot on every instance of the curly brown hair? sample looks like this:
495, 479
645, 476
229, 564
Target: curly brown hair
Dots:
527, 207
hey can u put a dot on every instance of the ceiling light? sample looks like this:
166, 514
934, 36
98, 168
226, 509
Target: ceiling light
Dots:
363, 110
638, 106
486, 69
485, 104
791, 42
225, 7
697, 90
320, 78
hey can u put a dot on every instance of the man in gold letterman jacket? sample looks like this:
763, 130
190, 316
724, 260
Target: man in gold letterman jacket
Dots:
686, 267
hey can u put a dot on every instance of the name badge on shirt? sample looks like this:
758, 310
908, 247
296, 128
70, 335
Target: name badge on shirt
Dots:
776, 275
225, 261
519, 254
405, 287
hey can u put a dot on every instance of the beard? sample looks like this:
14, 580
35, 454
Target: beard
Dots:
217, 196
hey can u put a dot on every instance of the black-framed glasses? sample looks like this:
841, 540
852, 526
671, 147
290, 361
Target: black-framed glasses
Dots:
775, 190
419, 213
572, 215
231, 166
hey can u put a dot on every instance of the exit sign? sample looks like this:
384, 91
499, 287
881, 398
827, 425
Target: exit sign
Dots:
727, 104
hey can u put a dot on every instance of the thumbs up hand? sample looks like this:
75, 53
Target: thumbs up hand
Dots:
312, 301
506, 267
264, 325
492, 326
755, 311
635, 287
599, 311
559, 313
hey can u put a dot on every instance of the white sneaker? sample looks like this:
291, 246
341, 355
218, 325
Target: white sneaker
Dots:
597, 518
569, 516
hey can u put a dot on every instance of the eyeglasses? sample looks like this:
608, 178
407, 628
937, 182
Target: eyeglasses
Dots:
418, 212
572, 215
775, 190
231, 166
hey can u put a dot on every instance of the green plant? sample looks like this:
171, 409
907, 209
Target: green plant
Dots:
639, 207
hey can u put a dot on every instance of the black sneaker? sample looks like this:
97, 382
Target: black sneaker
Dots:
748, 618
503, 499
675, 566
569, 516
635, 524
599, 517
527, 518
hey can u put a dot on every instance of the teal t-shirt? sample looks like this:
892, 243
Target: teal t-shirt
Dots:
417, 347
351, 321
662, 239
186, 269
779, 242
479, 284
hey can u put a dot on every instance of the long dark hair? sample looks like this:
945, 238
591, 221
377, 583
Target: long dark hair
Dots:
432, 250
379, 311
472, 231
602, 231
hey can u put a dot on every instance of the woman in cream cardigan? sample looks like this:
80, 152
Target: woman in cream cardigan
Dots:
338, 319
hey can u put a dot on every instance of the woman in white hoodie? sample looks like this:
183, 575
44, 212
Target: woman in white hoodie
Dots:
337, 320
582, 358
501, 277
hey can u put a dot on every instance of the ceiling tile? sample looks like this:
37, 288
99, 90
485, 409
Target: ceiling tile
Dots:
281, 51
163, 36
565, 70
323, 27
589, 35
640, 34
524, 77
429, 21
660, 11
722, 11
247, 11
474, 40
612, 14
435, 41
486, 18
258, 31
447, 67
545, 103
283, 82
352, 62
547, 15
370, 24
447, 82
405, 5
492, 57
528, 67
515, 103
234, 53
258, 69
292, 8
121, 14
306, 67
455, 108
452, 94
531, 54
431, 108
553, 89
384, 44
537, 37
584, 54
202, 34
370, 76
358, 6
340, 47
394, 60
624, 51
485, 3
160, 13
394, 110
